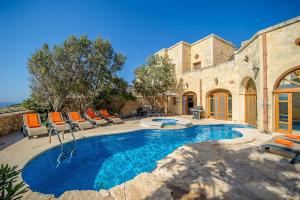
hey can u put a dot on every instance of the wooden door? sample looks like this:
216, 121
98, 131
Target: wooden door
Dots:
283, 112
250, 109
220, 106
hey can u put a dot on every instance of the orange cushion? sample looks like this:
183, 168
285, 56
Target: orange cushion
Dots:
89, 112
56, 117
81, 120
293, 136
105, 113
97, 118
75, 116
59, 123
284, 142
32, 120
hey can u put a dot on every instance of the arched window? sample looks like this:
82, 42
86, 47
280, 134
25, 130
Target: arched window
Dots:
291, 80
287, 102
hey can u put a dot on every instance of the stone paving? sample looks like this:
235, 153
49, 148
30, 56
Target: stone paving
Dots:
209, 170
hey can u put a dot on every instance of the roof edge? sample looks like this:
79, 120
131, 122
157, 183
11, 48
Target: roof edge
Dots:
269, 29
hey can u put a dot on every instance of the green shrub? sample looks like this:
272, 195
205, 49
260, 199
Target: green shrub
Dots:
9, 189
43, 109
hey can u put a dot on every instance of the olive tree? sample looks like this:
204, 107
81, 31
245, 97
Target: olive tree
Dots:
79, 69
155, 78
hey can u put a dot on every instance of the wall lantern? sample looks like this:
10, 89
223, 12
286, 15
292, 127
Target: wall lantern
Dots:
246, 59
297, 41
255, 68
196, 56
216, 81
186, 86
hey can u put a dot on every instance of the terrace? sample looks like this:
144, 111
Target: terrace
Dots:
213, 169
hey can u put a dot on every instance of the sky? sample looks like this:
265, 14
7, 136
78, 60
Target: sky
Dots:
137, 29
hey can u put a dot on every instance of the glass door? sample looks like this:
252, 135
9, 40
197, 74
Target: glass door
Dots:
216, 109
296, 112
284, 112
222, 107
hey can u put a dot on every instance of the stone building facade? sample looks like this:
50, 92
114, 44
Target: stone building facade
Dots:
241, 84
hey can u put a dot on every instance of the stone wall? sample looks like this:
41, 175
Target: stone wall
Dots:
11, 122
282, 55
222, 51
131, 106
204, 49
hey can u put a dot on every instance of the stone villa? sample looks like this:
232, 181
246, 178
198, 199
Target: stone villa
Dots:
258, 83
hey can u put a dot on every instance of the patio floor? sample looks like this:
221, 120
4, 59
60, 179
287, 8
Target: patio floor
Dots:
198, 171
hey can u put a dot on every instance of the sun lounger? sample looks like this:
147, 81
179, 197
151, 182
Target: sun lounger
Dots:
111, 118
77, 120
93, 118
57, 123
32, 125
294, 149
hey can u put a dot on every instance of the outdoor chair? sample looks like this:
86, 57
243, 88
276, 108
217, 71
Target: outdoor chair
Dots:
57, 124
111, 118
283, 144
77, 120
32, 125
93, 118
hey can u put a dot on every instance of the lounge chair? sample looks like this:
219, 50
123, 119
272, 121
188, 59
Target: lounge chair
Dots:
77, 120
93, 118
32, 125
289, 149
57, 123
111, 118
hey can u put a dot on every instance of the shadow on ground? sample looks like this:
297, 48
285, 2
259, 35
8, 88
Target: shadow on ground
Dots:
10, 139
207, 171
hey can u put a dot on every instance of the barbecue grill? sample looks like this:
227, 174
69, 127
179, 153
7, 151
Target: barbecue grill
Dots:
197, 111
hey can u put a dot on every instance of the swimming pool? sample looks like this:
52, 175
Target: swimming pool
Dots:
102, 162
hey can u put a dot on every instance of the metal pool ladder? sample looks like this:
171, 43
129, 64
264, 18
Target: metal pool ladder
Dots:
67, 150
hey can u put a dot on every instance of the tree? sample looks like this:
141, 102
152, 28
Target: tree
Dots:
9, 189
33, 103
79, 69
155, 78
114, 96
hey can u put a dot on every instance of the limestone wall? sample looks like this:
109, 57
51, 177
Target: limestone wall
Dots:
11, 122
175, 54
204, 49
283, 54
222, 51
244, 60
186, 58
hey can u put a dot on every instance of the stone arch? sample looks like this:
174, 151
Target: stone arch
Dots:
189, 100
286, 92
284, 74
219, 104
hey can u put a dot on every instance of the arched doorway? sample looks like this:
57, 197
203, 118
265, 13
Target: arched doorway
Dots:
287, 102
250, 103
189, 100
219, 104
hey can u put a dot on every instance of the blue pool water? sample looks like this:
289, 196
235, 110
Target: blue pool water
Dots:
165, 121
106, 161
